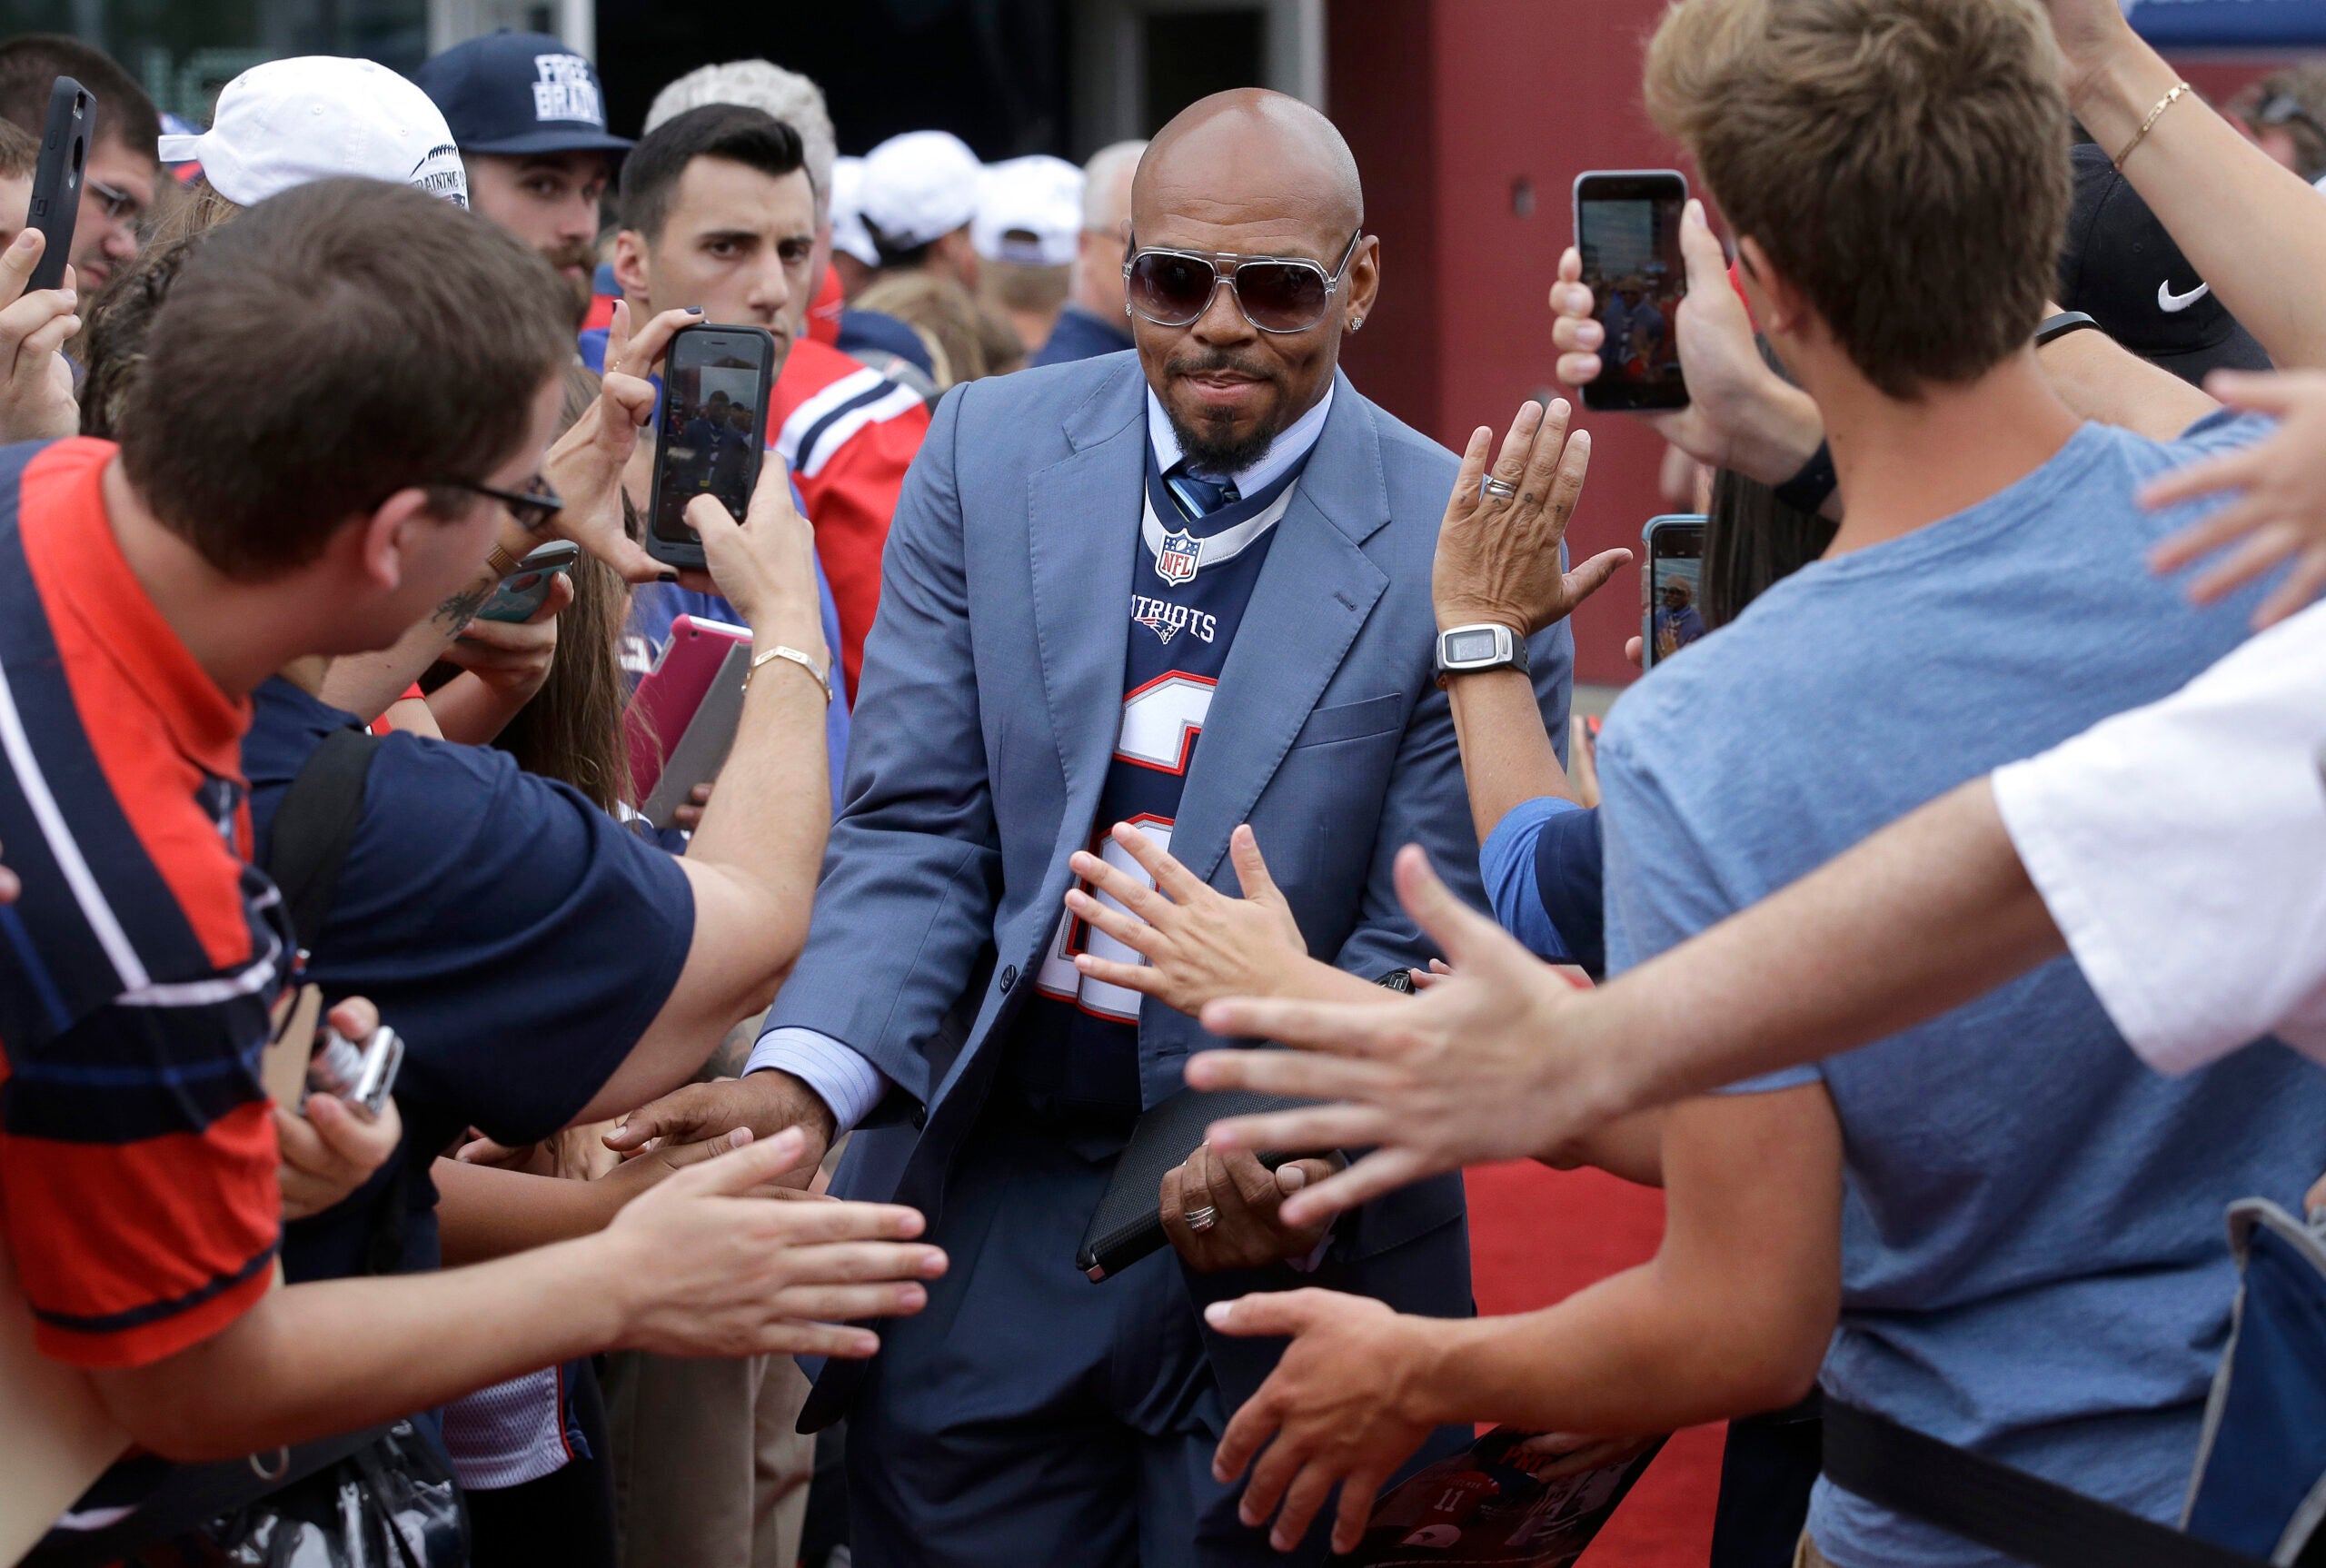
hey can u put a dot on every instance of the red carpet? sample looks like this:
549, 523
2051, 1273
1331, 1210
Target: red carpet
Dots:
1538, 1234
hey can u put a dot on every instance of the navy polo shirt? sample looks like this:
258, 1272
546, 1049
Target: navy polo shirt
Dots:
518, 937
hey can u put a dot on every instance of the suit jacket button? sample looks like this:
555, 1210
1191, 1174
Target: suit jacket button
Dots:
920, 1117
1008, 978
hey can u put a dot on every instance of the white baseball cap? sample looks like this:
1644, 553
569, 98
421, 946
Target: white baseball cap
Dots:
919, 187
288, 123
1030, 211
849, 235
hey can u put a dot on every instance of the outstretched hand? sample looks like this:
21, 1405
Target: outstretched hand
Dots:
710, 1269
2278, 513
1479, 1069
1198, 943
1497, 557
1342, 1407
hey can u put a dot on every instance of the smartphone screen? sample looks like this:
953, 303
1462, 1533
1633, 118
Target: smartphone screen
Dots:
1628, 229
713, 429
1673, 588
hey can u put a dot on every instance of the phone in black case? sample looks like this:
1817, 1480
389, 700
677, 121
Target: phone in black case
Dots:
710, 432
56, 181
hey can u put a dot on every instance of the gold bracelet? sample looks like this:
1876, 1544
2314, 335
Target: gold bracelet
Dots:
794, 656
2150, 123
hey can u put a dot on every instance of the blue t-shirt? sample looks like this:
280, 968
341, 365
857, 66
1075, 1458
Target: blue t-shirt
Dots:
518, 937
1541, 867
2032, 1260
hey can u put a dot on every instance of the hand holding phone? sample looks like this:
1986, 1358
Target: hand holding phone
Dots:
1628, 231
710, 432
55, 205
1672, 588
520, 595
36, 395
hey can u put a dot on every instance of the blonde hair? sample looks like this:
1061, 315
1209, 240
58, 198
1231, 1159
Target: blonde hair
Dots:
1902, 163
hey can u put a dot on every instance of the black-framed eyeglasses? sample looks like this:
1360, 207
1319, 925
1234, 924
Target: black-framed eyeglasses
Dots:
117, 204
533, 507
1276, 293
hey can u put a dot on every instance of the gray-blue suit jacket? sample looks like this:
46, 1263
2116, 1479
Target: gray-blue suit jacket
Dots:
984, 727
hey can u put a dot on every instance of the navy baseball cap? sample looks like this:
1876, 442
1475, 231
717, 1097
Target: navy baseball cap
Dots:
517, 93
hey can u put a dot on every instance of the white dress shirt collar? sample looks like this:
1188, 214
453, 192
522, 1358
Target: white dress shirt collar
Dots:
1287, 448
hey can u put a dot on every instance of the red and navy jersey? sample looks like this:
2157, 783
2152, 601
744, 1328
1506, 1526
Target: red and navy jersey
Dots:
1076, 1050
137, 1153
849, 434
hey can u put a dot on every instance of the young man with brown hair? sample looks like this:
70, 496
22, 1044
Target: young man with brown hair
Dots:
1996, 1229
117, 185
325, 445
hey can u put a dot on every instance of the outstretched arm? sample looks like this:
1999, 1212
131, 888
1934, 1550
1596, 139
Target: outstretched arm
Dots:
1732, 1316
1505, 1060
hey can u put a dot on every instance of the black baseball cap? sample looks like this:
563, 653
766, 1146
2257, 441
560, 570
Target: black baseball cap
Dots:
2124, 271
517, 93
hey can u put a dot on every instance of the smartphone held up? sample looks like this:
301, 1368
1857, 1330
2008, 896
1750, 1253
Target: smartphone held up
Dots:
711, 430
1671, 588
1627, 232
55, 202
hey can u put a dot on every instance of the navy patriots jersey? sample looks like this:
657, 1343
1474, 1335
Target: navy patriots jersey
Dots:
1077, 1045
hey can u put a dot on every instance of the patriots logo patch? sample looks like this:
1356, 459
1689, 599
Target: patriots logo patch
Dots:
1157, 621
1176, 560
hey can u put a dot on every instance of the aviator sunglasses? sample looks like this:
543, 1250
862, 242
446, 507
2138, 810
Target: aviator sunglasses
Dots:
1276, 293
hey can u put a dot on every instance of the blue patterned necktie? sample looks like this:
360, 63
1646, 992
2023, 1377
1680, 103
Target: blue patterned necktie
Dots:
1200, 497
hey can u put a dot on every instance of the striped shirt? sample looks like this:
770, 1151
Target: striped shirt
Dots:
137, 1154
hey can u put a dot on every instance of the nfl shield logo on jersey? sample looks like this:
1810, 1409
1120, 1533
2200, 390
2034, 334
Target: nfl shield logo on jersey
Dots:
1176, 562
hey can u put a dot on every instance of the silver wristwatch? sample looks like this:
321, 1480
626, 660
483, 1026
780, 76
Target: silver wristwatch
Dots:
1466, 650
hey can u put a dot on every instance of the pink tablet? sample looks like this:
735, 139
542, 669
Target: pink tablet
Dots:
666, 699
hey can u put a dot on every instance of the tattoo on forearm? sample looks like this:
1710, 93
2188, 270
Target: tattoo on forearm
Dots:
461, 606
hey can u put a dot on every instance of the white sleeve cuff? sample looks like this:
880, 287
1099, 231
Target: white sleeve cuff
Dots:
849, 1083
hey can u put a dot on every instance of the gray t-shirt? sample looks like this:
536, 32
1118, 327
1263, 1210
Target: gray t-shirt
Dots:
2033, 1261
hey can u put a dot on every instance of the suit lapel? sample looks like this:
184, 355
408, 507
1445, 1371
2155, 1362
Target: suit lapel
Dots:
1083, 517
1314, 592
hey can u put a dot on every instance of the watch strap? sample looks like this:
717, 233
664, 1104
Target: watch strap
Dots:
2062, 325
1807, 490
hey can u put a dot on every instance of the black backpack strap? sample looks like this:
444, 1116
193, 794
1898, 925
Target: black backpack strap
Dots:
316, 824
2002, 1509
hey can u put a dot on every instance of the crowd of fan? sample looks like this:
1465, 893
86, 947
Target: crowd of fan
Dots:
325, 372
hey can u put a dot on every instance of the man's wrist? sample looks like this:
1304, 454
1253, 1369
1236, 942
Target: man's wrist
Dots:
1418, 1387
1784, 434
1453, 612
789, 1100
611, 1277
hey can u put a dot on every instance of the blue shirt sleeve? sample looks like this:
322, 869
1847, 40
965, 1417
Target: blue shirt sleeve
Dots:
1507, 865
1660, 888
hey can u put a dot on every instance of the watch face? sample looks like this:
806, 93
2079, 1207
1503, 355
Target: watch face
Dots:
1470, 647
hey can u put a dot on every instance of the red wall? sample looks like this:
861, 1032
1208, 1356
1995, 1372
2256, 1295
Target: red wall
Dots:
1448, 105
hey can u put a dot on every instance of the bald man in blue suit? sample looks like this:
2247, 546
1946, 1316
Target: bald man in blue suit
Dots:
1183, 588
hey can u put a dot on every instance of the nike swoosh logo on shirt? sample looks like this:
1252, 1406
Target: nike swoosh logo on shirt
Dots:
2171, 303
